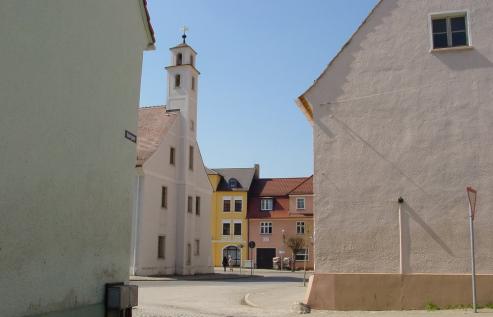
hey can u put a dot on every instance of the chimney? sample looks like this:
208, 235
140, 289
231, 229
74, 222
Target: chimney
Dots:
257, 171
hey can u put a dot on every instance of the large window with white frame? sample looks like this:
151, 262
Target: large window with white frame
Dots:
300, 227
449, 30
266, 204
266, 228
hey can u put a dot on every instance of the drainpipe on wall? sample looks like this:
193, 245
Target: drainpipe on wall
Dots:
400, 201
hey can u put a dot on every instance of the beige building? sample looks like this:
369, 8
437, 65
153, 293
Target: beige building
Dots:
172, 209
69, 85
404, 110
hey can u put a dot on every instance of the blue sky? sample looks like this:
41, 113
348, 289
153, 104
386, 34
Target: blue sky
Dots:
255, 58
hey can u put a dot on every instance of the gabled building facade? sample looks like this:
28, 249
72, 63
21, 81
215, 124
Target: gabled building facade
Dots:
404, 111
280, 209
171, 218
229, 226
70, 86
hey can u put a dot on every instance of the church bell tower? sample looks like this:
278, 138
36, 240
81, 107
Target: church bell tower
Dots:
183, 79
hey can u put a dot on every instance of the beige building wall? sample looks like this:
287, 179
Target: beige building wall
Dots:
392, 118
69, 87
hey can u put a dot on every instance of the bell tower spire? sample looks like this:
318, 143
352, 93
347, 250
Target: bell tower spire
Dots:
183, 80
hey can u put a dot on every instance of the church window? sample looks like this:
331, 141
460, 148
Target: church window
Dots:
177, 81
191, 60
193, 83
179, 59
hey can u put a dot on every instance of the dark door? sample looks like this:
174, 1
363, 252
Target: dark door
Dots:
264, 258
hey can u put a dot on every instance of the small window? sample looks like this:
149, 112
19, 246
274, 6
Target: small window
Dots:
226, 205
233, 183
177, 81
190, 204
172, 156
197, 205
192, 125
179, 59
302, 255
266, 204
161, 247
164, 197
300, 203
237, 229
226, 229
189, 254
266, 228
300, 227
197, 247
193, 83
449, 31
190, 158
191, 60
238, 205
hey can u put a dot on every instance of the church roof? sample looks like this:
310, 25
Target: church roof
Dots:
154, 123
183, 45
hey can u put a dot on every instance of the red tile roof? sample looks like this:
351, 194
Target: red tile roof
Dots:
266, 187
304, 188
154, 123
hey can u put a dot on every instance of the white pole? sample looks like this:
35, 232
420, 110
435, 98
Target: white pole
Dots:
306, 259
401, 265
473, 264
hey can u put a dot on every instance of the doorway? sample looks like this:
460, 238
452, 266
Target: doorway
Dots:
235, 254
264, 257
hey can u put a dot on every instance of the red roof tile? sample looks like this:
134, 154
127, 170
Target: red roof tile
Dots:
276, 186
304, 188
154, 123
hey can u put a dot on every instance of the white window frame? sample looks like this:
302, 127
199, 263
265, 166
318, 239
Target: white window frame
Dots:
266, 208
264, 228
447, 15
241, 229
304, 203
300, 225
237, 198
222, 228
226, 198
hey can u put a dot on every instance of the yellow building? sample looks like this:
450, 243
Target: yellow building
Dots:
229, 224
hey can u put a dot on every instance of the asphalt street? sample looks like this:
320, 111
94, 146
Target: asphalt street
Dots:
271, 295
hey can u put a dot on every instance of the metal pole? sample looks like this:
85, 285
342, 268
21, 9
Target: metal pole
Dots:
241, 251
473, 264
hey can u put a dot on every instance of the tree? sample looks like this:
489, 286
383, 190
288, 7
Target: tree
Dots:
295, 244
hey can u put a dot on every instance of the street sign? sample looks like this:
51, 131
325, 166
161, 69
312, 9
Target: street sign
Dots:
251, 244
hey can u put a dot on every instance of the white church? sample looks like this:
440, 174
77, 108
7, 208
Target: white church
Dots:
172, 205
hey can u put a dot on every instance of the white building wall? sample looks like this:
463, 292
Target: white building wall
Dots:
69, 87
394, 119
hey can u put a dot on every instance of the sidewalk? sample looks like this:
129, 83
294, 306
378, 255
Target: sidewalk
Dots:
218, 274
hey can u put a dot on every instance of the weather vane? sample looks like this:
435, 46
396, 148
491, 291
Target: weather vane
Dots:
184, 29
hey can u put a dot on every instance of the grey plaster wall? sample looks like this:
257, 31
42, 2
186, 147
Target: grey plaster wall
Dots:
69, 88
392, 118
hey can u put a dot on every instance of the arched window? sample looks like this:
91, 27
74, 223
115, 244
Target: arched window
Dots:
179, 59
234, 253
191, 60
177, 81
